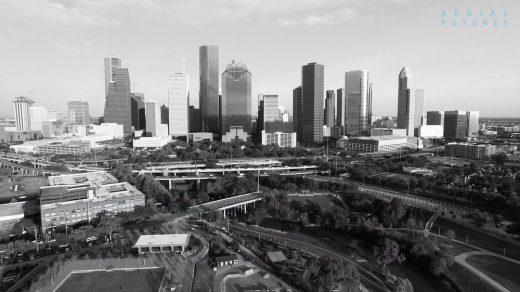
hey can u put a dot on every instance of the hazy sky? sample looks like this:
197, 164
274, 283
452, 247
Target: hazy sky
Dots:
53, 51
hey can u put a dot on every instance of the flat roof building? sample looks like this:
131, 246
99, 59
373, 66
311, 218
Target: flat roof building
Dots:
162, 243
383, 144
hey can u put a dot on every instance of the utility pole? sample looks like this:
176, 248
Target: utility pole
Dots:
258, 182
36, 237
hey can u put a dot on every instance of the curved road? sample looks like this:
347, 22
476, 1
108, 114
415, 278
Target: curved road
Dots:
365, 274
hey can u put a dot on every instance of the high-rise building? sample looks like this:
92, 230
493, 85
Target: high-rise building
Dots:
358, 96
435, 118
111, 66
118, 101
178, 96
298, 112
271, 111
37, 116
340, 108
236, 97
473, 123
165, 114
78, 113
330, 101
54, 116
209, 89
455, 124
410, 103
312, 96
153, 117
138, 111
194, 114
21, 113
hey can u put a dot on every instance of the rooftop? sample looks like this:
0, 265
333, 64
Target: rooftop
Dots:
380, 138
276, 256
230, 257
162, 239
95, 179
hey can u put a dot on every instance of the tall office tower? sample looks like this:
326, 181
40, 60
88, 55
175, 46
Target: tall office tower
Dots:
111, 66
21, 113
435, 118
194, 114
298, 112
341, 109
358, 96
165, 114
37, 116
410, 103
236, 97
138, 111
271, 111
312, 106
330, 108
209, 85
473, 123
153, 117
178, 96
419, 110
118, 108
455, 124
78, 113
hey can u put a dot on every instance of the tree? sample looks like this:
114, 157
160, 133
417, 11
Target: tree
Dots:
514, 228
450, 234
438, 266
109, 224
403, 285
387, 252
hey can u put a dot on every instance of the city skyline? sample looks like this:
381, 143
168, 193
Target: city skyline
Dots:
451, 63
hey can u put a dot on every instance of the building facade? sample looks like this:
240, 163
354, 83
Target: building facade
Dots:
330, 108
178, 100
78, 113
312, 103
236, 97
435, 118
21, 113
153, 117
118, 100
470, 151
473, 123
209, 89
455, 124
358, 92
279, 138
383, 144
37, 116
341, 109
410, 103
298, 112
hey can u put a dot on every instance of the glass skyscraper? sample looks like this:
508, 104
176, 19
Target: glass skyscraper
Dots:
118, 101
178, 118
312, 106
297, 112
21, 113
358, 98
340, 108
111, 64
410, 103
78, 113
330, 114
209, 89
236, 97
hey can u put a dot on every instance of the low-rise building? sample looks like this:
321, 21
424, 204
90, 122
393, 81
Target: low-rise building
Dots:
275, 257
236, 133
279, 138
387, 132
151, 142
431, 131
468, 150
227, 260
381, 144
79, 197
162, 243
200, 136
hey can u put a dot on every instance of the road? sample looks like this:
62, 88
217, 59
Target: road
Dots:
367, 277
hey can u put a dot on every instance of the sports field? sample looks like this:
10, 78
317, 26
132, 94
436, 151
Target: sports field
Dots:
142, 280
503, 271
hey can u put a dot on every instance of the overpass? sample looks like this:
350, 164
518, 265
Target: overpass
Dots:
166, 172
27, 170
229, 206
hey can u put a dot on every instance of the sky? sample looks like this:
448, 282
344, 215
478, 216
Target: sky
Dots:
53, 50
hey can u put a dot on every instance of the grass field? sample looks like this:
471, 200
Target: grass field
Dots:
503, 271
143, 280
26, 185
204, 276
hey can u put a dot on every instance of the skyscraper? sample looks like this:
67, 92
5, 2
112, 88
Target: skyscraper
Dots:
340, 108
270, 106
111, 64
236, 97
194, 114
178, 96
472, 123
209, 89
312, 95
37, 116
138, 111
118, 101
153, 117
330, 101
78, 113
21, 113
165, 114
358, 96
455, 124
298, 112
410, 103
